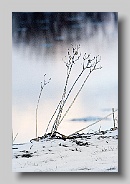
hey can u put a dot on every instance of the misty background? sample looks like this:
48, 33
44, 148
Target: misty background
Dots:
40, 41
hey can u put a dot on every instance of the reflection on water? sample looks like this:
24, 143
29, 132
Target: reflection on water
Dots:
89, 118
39, 51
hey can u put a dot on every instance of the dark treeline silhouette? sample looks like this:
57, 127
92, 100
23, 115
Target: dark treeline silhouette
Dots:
52, 24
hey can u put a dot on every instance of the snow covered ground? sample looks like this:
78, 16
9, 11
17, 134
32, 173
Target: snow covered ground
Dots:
93, 152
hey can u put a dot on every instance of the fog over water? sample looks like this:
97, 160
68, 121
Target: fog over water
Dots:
40, 51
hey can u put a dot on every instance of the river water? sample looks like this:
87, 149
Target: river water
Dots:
30, 61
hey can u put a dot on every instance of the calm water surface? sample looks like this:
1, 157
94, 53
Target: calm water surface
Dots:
100, 94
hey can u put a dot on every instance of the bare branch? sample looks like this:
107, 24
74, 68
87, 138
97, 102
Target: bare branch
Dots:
93, 123
42, 87
87, 64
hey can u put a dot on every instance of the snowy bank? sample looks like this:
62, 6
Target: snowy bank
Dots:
91, 152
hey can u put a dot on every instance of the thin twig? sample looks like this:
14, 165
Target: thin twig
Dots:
52, 117
74, 98
15, 137
42, 87
93, 123
69, 64
91, 65
87, 66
